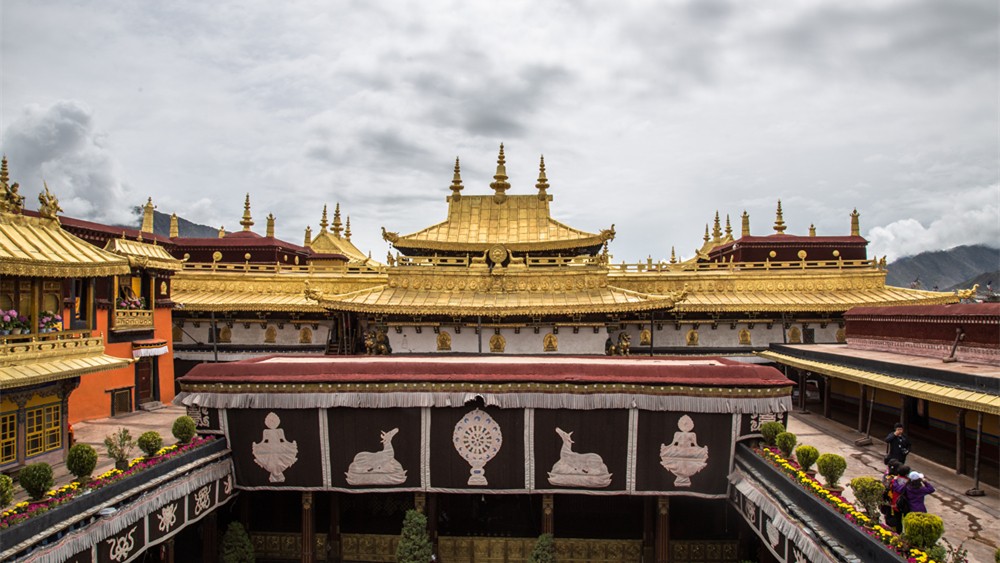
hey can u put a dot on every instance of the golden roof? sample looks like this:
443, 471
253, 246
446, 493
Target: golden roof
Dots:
988, 403
144, 255
804, 301
201, 300
328, 243
31, 362
37, 246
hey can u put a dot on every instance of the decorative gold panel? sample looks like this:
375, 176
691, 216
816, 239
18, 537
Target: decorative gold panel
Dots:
724, 551
518, 550
284, 546
132, 319
368, 547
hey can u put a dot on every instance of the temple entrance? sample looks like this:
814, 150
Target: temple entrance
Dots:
145, 388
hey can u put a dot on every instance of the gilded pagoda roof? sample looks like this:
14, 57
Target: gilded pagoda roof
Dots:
144, 255
27, 361
37, 246
243, 301
328, 243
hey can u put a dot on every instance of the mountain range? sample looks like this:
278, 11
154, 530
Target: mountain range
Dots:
947, 270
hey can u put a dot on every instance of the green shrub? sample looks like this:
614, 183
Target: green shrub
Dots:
81, 461
544, 550
414, 543
996, 555
120, 445
770, 430
938, 552
922, 530
785, 442
183, 429
236, 546
869, 493
6, 490
806, 456
150, 443
831, 467
36, 479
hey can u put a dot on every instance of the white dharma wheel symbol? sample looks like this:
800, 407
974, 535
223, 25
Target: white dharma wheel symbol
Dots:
477, 438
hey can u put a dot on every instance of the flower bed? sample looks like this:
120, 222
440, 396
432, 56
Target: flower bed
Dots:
888, 537
28, 510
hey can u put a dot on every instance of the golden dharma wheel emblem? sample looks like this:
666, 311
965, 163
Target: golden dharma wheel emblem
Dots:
216, 256
497, 254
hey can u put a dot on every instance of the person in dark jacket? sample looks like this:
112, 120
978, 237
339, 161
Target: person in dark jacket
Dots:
916, 490
898, 444
896, 488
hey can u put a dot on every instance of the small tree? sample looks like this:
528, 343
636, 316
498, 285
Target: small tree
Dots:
544, 551
831, 467
150, 443
36, 479
414, 542
806, 456
183, 429
786, 443
869, 493
6, 490
120, 445
81, 462
236, 546
770, 431
922, 530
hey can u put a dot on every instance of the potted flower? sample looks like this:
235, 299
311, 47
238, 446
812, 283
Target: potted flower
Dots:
7, 320
49, 321
21, 325
120, 445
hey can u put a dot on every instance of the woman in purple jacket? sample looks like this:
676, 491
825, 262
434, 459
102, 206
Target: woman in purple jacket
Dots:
915, 490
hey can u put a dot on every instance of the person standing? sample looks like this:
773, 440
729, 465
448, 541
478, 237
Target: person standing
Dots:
897, 444
898, 502
916, 489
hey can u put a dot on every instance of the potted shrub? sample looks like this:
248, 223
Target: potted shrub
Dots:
869, 493
544, 550
831, 467
770, 430
807, 456
183, 429
236, 546
150, 442
81, 462
6, 490
36, 479
786, 443
120, 445
414, 543
922, 530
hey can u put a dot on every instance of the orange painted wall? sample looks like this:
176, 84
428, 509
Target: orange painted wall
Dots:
92, 398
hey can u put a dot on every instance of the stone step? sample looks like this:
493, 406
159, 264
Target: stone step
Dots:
152, 406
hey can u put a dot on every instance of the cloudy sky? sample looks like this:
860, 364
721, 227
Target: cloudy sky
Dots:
651, 115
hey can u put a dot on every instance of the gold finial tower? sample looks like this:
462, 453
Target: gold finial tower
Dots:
323, 223
729, 228
746, 224
812, 230
222, 231
270, 225
456, 183
175, 230
706, 237
309, 237
247, 220
147, 216
500, 184
347, 231
779, 222
543, 182
4, 177
337, 225
673, 256
716, 229
855, 224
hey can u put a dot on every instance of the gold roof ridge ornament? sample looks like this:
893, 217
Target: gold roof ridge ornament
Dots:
48, 204
323, 223
716, 229
456, 183
247, 220
147, 216
855, 223
543, 182
10, 200
308, 237
500, 184
779, 221
337, 225
270, 226
347, 231
746, 224
174, 226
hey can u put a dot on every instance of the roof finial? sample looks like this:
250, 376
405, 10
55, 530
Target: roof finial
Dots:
812, 230
500, 184
309, 236
323, 222
337, 225
222, 231
673, 256
706, 238
456, 183
543, 182
270, 226
729, 228
746, 224
716, 229
779, 222
4, 177
147, 216
174, 226
855, 223
247, 221
347, 231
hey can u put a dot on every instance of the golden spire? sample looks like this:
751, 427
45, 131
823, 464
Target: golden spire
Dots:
222, 231
673, 256
270, 225
812, 230
779, 222
347, 231
337, 225
716, 229
174, 226
4, 177
456, 183
323, 222
729, 228
746, 224
500, 184
543, 182
309, 236
247, 221
147, 216
707, 238
855, 223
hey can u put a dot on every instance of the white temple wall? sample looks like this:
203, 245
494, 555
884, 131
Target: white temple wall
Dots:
524, 341
255, 334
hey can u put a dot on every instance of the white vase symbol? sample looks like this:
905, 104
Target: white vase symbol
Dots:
377, 468
684, 457
576, 469
477, 439
273, 452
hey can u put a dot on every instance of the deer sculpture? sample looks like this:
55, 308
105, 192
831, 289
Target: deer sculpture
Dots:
377, 468
578, 469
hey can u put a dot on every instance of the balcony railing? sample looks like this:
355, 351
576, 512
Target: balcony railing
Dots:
28, 348
132, 319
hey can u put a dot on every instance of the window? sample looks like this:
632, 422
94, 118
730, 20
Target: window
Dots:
44, 429
8, 437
